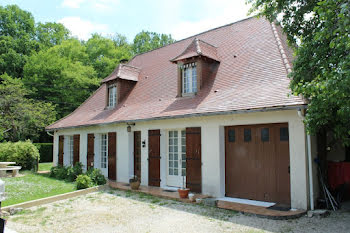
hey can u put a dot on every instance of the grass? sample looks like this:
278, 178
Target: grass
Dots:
33, 186
45, 166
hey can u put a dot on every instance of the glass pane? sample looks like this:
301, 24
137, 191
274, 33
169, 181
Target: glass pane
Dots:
175, 157
171, 141
231, 135
171, 156
183, 156
183, 149
171, 164
175, 164
170, 133
175, 141
284, 134
171, 172
171, 149
247, 135
183, 172
175, 149
183, 164
265, 134
175, 133
183, 133
176, 172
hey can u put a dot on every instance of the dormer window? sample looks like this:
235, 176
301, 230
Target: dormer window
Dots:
189, 78
112, 96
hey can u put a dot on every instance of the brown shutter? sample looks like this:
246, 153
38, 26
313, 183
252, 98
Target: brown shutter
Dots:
76, 148
137, 154
193, 159
154, 158
112, 155
90, 151
60, 150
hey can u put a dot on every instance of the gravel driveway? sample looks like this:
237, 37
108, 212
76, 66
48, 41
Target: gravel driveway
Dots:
119, 211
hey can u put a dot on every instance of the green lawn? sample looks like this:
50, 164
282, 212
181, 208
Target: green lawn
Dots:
33, 186
45, 166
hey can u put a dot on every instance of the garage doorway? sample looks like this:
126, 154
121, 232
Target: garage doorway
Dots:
257, 162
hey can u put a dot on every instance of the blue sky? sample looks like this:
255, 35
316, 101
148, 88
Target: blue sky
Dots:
180, 18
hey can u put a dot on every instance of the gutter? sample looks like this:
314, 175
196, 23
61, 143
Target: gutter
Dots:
295, 107
311, 184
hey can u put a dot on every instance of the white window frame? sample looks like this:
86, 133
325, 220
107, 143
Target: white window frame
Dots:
103, 150
181, 149
112, 96
189, 79
71, 149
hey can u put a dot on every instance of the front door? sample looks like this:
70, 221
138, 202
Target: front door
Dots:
154, 157
176, 158
112, 156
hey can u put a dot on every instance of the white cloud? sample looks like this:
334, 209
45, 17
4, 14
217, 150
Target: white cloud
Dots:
102, 5
229, 12
83, 28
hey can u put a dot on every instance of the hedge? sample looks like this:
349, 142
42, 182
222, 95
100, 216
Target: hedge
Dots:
46, 151
25, 154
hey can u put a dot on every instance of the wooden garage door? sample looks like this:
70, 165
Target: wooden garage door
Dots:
112, 156
257, 162
154, 158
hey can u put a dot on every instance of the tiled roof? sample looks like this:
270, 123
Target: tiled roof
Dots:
123, 71
198, 48
252, 74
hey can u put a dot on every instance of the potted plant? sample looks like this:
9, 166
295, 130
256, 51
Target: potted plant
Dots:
134, 183
183, 191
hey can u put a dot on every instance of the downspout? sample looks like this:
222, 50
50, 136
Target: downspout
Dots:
49, 133
311, 184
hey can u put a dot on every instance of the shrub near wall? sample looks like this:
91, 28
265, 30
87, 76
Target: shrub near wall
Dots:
25, 154
46, 151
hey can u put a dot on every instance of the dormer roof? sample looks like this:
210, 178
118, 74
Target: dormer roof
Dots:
198, 48
124, 71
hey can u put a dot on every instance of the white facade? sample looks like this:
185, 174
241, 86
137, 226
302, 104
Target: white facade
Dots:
213, 148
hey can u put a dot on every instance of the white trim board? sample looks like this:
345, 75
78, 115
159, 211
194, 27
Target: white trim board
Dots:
246, 201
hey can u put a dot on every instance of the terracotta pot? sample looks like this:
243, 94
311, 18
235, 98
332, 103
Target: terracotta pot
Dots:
183, 193
135, 185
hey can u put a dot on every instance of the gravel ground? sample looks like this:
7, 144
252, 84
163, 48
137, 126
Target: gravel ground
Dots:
119, 211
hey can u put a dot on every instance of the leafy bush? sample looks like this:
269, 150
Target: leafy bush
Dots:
61, 173
96, 176
83, 181
25, 154
46, 151
54, 171
73, 172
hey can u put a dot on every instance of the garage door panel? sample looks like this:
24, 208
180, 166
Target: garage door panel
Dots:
255, 161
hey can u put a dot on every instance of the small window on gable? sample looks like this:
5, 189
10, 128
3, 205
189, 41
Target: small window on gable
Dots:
112, 96
189, 78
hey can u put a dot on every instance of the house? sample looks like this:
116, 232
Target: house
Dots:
215, 108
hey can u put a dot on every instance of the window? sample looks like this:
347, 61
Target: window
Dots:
189, 78
247, 135
112, 95
71, 149
177, 148
231, 135
265, 134
284, 135
104, 150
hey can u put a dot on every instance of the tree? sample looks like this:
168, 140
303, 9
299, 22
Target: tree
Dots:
51, 34
321, 68
104, 54
61, 75
21, 117
16, 39
146, 41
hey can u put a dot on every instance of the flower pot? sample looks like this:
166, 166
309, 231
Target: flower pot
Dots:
183, 193
135, 185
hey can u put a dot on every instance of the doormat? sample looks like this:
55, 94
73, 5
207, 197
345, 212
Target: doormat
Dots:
169, 191
279, 207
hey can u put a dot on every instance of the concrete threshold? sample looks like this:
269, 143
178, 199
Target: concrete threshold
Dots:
55, 198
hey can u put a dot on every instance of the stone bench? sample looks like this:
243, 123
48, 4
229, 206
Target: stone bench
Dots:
14, 169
